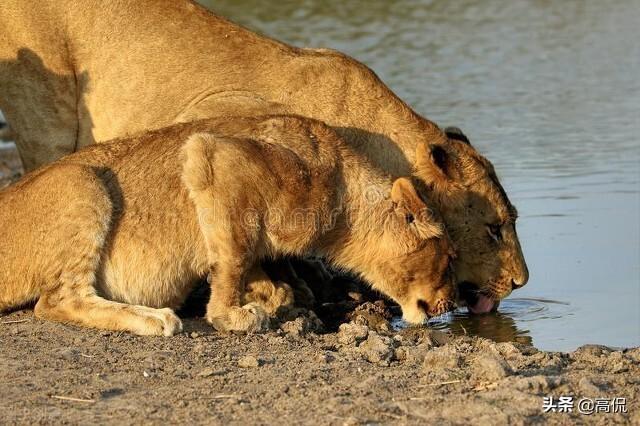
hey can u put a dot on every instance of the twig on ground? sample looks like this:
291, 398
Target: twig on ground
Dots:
450, 382
14, 321
69, 398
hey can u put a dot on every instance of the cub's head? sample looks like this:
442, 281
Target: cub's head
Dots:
480, 220
409, 256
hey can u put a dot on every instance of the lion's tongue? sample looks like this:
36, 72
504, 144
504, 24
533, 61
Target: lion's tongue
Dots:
482, 306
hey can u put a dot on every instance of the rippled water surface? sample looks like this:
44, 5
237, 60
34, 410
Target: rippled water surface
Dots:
550, 92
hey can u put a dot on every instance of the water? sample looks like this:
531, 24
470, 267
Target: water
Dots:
550, 92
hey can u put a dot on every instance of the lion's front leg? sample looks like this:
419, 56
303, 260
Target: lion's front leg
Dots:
225, 311
231, 251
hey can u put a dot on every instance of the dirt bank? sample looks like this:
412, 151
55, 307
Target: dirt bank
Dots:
294, 374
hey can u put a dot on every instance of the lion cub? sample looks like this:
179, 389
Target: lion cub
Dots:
116, 235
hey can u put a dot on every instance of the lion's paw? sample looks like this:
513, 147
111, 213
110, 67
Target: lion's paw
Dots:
250, 318
158, 322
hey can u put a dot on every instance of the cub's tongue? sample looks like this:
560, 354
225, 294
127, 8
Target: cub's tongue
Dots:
482, 306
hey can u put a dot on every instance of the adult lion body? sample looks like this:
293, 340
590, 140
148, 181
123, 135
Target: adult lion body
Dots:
76, 72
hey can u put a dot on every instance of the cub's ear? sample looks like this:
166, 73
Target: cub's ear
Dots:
456, 133
413, 211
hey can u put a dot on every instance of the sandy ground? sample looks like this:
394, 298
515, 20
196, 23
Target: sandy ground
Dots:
365, 373
347, 367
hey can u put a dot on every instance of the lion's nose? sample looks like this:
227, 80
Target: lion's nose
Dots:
517, 284
520, 278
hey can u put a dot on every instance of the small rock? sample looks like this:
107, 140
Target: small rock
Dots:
350, 333
145, 374
417, 335
199, 348
402, 354
508, 350
377, 349
588, 388
194, 334
302, 325
491, 367
591, 351
445, 357
249, 361
69, 354
208, 372
374, 315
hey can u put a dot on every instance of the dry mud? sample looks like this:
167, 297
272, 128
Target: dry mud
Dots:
365, 373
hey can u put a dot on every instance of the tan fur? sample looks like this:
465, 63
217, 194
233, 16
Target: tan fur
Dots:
115, 235
73, 72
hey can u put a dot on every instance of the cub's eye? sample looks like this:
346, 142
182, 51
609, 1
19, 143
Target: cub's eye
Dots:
494, 232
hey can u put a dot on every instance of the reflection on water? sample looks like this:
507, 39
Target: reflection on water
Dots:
509, 324
549, 91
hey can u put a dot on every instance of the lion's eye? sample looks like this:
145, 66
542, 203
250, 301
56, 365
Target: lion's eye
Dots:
494, 231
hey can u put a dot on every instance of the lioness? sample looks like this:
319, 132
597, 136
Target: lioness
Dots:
115, 235
91, 70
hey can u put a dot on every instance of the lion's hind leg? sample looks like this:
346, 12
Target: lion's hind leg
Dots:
90, 310
78, 229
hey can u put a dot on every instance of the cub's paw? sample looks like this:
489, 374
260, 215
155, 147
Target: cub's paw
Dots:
250, 318
268, 295
158, 322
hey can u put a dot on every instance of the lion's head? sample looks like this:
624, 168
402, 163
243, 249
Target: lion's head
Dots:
403, 251
480, 220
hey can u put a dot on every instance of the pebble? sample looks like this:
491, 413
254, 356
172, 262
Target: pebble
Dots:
302, 325
249, 361
350, 333
208, 372
69, 354
377, 349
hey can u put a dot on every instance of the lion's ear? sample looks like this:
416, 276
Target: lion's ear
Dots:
457, 134
433, 165
412, 210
